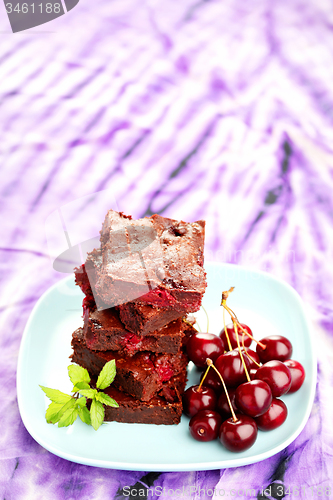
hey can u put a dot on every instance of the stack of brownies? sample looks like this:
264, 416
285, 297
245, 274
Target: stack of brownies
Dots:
139, 287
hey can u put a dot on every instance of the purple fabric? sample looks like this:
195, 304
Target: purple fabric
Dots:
220, 110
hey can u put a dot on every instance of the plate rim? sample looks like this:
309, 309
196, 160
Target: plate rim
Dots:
183, 467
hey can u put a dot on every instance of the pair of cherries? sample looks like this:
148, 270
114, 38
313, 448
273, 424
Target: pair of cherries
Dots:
253, 404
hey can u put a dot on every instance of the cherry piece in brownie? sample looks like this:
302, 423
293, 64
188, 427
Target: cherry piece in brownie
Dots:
103, 331
156, 260
141, 376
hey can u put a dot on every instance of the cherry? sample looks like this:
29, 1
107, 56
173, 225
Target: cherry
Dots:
231, 368
223, 405
253, 398
213, 381
205, 425
297, 373
233, 338
277, 347
273, 417
253, 373
201, 346
195, 400
277, 375
238, 435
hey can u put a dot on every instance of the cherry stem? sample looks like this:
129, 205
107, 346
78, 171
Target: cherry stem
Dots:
225, 331
247, 354
240, 351
249, 335
226, 294
232, 313
206, 317
245, 351
198, 326
210, 363
203, 378
234, 318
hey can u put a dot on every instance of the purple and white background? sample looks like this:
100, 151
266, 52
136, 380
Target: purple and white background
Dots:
220, 110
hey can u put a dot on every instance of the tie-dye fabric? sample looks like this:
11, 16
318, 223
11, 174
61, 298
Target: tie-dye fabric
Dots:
220, 110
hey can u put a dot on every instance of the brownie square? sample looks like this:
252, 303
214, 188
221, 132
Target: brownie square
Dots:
103, 331
141, 376
157, 411
137, 317
145, 318
154, 260
165, 408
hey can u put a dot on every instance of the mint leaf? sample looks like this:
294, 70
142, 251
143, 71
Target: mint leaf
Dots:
70, 404
81, 402
52, 417
55, 395
78, 374
84, 415
96, 414
52, 412
105, 399
80, 385
68, 417
88, 393
107, 375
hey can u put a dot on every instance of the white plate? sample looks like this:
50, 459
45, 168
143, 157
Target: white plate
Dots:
267, 304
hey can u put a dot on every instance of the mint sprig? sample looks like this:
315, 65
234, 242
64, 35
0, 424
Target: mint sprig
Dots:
65, 408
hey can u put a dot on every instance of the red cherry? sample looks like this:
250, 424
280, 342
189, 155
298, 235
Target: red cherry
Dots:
194, 400
253, 398
240, 435
201, 346
213, 381
297, 373
231, 368
273, 417
277, 375
232, 335
223, 405
277, 347
205, 425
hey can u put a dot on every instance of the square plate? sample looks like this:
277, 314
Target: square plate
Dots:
267, 304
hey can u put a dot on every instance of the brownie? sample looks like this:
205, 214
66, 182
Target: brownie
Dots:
103, 331
145, 318
141, 375
137, 317
155, 259
158, 410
